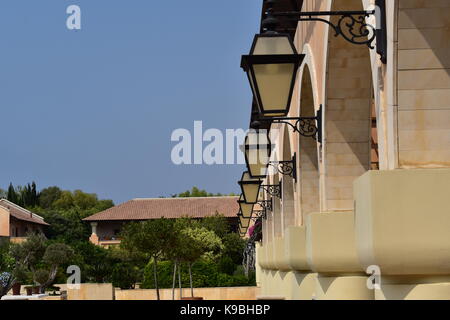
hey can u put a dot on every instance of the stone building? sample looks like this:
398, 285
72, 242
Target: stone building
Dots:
16, 222
373, 196
107, 225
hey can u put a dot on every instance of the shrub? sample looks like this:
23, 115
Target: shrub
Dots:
206, 274
125, 276
226, 265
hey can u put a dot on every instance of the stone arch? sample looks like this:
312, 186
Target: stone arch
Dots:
287, 184
348, 116
308, 160
276, 211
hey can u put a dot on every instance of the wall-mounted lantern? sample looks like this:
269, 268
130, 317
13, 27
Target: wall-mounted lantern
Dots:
257, 149
243, 221
250, 187
245, 209
271, 69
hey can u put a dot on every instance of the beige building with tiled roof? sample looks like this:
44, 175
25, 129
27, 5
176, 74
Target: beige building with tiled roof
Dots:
106, 225
16, 222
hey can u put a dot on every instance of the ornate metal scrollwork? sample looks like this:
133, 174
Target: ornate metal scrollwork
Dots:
352, 25
266, 205
286, 167
273, 189
304, 126
359, 32
259, 214
309, 127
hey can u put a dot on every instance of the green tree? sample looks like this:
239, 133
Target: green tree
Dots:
12, 195
48, 196
196, 192
55, 255
66, 226
234, 247
40, 258
197, 242
217, 223
3, 194
95, 261
30, 252
151, 238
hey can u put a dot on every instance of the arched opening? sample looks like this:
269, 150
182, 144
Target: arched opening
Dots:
287, 184
276, 211
348, 116
308, 153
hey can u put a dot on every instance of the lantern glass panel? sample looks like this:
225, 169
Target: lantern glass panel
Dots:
257, 153
246, 209
280, 44
245, 222
274, 83
250, 188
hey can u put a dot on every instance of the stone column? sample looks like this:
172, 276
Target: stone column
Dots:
94, 238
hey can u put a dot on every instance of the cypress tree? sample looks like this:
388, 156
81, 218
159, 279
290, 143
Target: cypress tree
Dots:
34, 195
12, 195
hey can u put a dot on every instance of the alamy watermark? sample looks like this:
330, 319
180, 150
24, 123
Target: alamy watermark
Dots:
73, 22
74, 278
219, 147
374, 280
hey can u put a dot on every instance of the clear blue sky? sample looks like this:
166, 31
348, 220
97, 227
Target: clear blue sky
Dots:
94, 109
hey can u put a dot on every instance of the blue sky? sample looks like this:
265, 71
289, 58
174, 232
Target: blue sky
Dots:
94, 109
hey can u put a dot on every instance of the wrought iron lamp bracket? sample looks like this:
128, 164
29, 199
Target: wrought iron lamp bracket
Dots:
351, 25
273, 189
308, 127
259, 214
266, 204
287, 167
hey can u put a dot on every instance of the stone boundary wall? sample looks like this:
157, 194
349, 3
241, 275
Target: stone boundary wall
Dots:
231, 293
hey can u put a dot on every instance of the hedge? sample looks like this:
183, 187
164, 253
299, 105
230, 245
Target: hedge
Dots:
205, 274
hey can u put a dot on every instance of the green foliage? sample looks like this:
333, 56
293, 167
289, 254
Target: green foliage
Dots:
3, 194
151, 238
234, 247
6, 259
21, 273
217, 223
65, 226
48, 196
12, 195
205, 275
39, 257
225, 280
197, 242
41, 276
94, 261
125, 275
196, 193
57, 253
226, 265
85, 204
30, 252
56, 200
26, 196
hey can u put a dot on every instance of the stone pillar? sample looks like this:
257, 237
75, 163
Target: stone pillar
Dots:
94, 238
402, 227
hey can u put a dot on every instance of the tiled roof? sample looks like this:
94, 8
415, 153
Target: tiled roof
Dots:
170, 208
21, 213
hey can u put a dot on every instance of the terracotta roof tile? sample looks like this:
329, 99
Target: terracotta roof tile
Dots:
170, 208
21, 213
